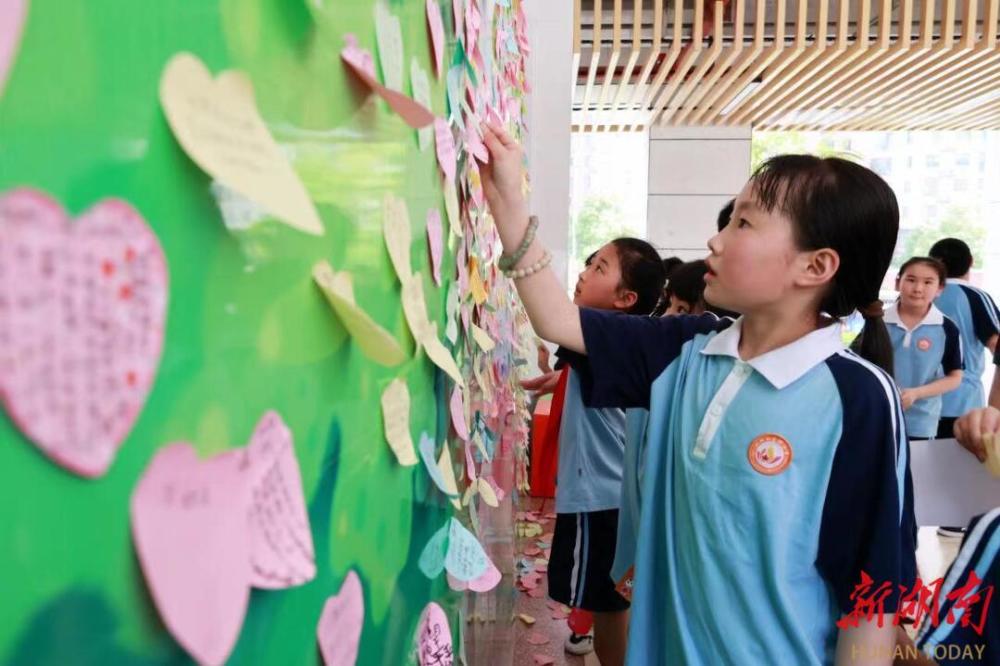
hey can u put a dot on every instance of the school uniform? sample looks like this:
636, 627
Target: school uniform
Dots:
928, 352
978, 319
636, 420
588, 496
949, 642
769, 487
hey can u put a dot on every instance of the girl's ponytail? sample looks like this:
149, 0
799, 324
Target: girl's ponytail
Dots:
874, 344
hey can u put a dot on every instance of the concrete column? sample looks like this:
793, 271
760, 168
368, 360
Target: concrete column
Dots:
693, 172
549, 106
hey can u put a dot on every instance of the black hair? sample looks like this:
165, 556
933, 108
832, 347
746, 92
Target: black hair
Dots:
725, 214
936, 264
954, 254
837, 204
642, 272
670, 264
687, 282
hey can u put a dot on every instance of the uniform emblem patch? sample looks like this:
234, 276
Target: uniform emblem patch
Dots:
770, 454
923, 344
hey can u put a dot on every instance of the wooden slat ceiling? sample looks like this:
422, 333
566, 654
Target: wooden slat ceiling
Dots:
787, 64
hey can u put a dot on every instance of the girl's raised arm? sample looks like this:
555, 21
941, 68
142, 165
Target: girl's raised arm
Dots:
553, 315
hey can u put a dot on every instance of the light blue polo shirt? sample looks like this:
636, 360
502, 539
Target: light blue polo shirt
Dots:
636, 420
978, 319
768, 487
591, 452
922, 355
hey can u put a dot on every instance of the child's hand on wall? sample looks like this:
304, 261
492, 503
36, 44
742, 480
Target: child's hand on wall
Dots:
503, 175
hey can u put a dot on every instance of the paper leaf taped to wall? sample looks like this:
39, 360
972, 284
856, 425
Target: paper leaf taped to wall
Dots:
436, 26
340, 625
483, 339
360, 61
281, 546
82, 315
12, 16
205, 531
396, 231
447, 470
435, 243
445, 147
191, 535
422, 95
374, 341
434, 646
430, 463
396, 416
389, 36
217, 124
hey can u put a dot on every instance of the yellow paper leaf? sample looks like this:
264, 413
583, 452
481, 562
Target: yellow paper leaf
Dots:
440, 355
992, 445
476, 283
487, 493
396, 415
375, 342
527, 619
396, 229
448, 474
483, 339
451, 207
467, 497
217, 124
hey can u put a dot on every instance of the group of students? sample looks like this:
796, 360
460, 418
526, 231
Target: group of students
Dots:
729, 486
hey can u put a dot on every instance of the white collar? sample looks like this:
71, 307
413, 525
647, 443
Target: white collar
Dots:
934, 317
958, 281
786, 364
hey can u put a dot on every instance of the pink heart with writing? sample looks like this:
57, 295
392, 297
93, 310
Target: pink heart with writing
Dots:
281, 546
207, 530
339, 628
190, 530
12, 15
434, 638
82, 313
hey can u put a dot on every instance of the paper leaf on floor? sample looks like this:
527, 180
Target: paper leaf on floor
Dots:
527, 619
483, 339
396, 416
543, 660
340, 624
535, 637
374, 341
217, 124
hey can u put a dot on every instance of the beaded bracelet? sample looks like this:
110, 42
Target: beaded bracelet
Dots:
519, 273
506, 263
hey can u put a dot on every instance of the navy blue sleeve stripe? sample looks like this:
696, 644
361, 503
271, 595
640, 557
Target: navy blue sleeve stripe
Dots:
626, 353
868, 524
985, 316
952, 359
979, 553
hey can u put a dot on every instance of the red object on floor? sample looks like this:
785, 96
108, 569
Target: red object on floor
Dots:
580, 621
545, 441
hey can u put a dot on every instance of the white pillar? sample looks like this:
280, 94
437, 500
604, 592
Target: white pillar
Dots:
550, 75
693, 172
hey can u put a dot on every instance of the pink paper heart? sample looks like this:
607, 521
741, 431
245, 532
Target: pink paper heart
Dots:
190, 530
484, 583
281, 546
12, 15
82, 313
339, 628
434, 638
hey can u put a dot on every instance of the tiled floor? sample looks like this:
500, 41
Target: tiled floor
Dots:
934, 554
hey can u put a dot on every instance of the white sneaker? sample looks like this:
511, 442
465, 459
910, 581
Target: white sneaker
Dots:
951, 532
580, 645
